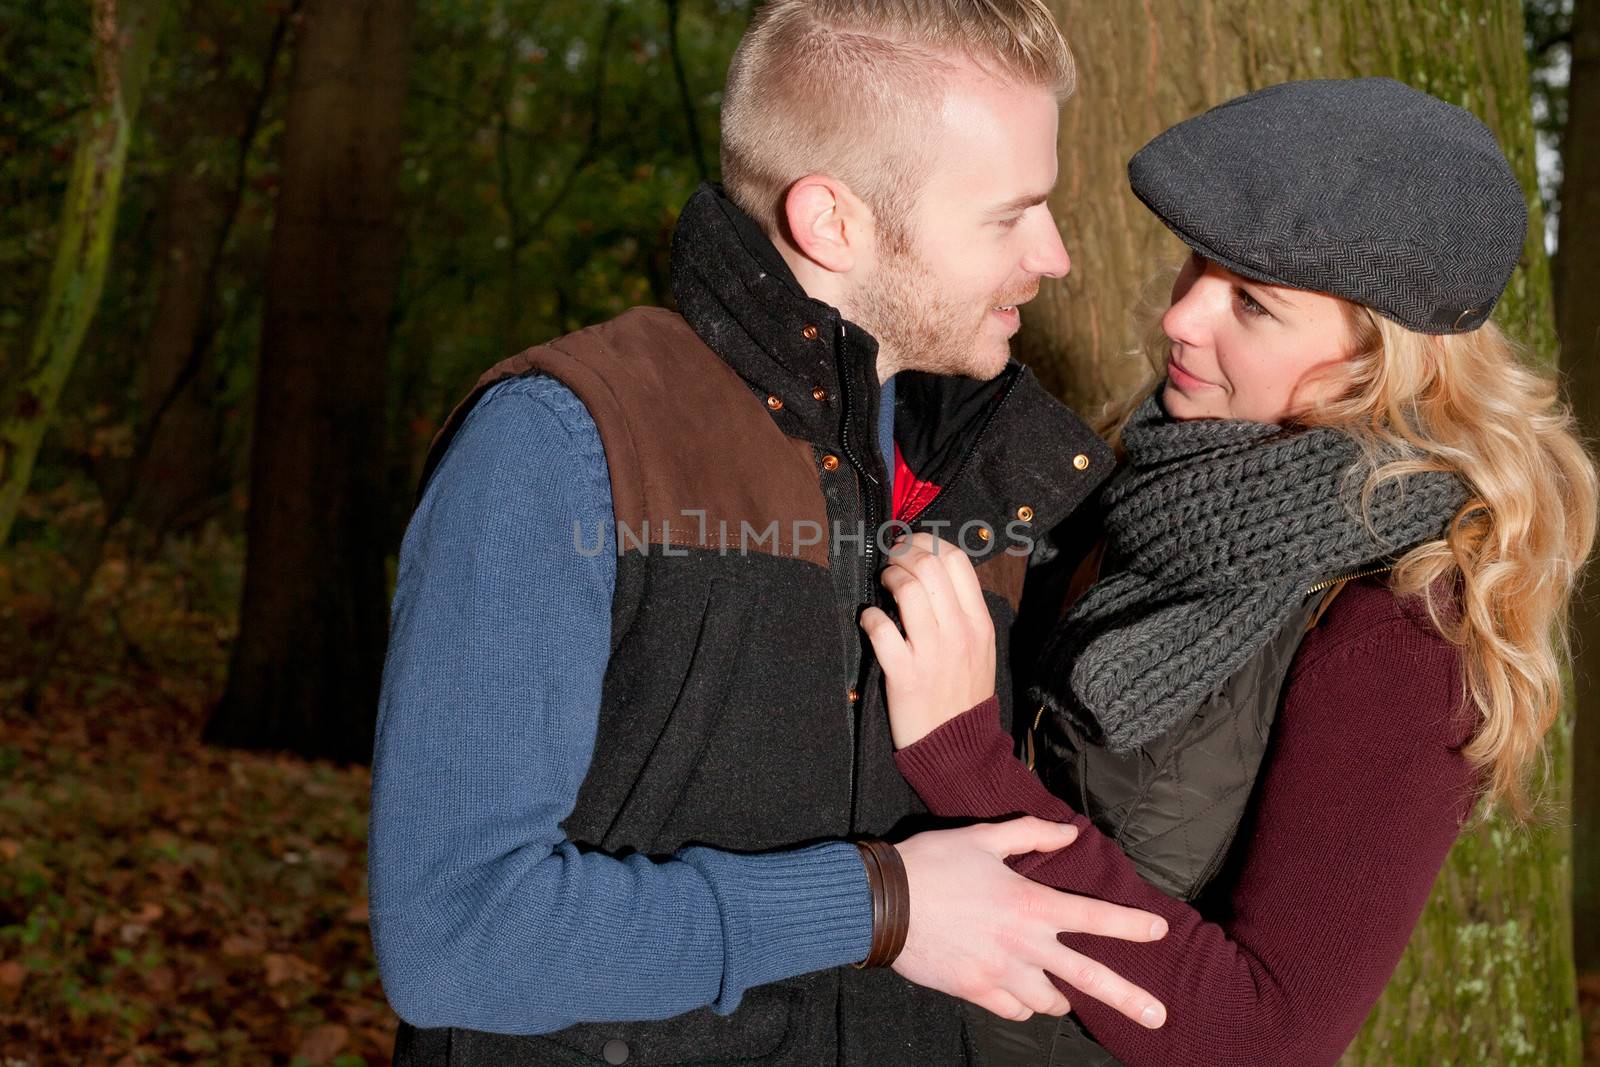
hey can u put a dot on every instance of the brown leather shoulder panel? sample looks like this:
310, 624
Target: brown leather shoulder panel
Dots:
1002, 574
695, 457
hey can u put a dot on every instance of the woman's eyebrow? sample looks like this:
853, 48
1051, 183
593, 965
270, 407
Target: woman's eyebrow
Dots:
1272, 294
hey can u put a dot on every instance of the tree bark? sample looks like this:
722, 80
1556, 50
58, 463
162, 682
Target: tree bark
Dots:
1488, 976
305, 669
1577, 270
182, 474
124, 39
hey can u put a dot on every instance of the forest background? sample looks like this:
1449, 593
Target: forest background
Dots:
250, 255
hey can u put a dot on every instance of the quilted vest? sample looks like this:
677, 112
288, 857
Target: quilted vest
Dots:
1173, 805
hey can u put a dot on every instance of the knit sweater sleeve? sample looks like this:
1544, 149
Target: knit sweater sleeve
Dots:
1362, 793
483, 915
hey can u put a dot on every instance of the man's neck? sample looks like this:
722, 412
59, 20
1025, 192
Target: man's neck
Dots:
828, 287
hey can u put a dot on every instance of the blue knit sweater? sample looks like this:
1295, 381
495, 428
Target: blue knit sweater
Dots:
483, 915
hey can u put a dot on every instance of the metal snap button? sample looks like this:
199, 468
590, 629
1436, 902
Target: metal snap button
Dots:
810, 333
1081, 461
774, 404
819, 393
616, 1051
1025, 513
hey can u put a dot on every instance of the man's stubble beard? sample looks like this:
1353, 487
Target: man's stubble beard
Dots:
915, 326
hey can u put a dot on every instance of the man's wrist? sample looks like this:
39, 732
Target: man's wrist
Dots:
891, 901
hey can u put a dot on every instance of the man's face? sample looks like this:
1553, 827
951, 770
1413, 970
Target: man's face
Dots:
980, 236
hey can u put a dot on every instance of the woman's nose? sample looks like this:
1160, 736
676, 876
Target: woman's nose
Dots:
1196, 300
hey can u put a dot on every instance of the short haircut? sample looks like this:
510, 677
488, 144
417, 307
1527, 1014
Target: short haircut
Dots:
850, 89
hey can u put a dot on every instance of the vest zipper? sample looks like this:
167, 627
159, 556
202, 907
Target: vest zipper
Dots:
1351, 576
871, 489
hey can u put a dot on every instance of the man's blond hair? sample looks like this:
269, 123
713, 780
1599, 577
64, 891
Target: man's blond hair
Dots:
851, 89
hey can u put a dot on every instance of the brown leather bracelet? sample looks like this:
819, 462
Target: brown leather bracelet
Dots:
891, 901
869, 860
898, 890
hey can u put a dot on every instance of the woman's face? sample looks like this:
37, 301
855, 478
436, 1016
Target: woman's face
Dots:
1241, 349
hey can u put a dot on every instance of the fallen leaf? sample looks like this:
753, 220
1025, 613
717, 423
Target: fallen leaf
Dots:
160, 981
322, 1044
12, 974
282, 967
9, 848
236, 945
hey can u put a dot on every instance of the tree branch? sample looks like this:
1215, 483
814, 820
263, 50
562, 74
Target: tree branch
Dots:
685, 98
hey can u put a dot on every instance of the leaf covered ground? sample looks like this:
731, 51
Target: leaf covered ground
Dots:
162, 902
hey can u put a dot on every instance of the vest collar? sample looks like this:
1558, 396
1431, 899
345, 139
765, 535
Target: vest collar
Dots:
993, 446
737, 293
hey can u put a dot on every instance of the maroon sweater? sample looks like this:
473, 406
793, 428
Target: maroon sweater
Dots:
1361, 794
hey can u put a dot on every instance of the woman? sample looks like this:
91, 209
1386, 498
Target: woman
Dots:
1279, 774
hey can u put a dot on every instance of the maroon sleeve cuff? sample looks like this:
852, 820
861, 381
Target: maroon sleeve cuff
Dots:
965, 768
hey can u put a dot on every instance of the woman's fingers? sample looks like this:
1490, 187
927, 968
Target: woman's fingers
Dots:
888, 644
912, 562
948, 574
919, 557
964, 580
917, 614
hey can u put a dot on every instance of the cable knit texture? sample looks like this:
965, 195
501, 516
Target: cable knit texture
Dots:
1363, 792
1214, 533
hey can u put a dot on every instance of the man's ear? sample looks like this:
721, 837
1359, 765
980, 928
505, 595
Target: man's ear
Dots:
827, 222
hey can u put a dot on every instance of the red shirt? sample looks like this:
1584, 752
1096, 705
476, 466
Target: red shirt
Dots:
1362, 791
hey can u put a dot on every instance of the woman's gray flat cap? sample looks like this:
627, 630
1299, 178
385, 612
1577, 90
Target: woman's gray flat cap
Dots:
1364, 188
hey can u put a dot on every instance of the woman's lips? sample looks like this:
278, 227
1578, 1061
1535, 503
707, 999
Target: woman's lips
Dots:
1183, 379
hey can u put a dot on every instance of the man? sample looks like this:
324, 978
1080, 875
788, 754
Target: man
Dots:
631, 728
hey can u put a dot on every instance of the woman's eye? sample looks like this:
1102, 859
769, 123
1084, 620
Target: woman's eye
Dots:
1248, 302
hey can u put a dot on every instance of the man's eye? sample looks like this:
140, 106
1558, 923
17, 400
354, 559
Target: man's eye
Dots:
1009, 222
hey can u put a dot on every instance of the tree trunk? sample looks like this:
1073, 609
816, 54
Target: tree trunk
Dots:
182, 474
124, 38
1488, 977
1578, 319
305, 669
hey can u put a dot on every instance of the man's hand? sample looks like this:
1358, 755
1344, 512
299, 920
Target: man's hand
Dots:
984, 933
944, 663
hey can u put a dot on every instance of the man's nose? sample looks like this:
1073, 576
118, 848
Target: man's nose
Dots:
1048, 256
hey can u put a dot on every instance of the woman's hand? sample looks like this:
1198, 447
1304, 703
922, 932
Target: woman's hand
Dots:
944, 663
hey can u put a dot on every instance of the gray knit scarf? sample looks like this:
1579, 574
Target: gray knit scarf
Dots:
1215, 530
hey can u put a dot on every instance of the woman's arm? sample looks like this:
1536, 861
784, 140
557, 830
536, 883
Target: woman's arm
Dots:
1360, 798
